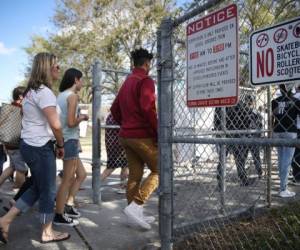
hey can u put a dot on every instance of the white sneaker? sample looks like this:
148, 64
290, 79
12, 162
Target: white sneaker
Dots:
286, 194
121, 191
135, 216
149, 219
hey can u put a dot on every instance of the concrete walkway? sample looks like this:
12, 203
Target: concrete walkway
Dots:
101, 226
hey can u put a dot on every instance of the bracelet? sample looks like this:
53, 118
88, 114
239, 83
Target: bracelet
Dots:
58, 146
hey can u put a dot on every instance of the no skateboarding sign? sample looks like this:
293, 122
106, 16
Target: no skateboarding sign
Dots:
275, 53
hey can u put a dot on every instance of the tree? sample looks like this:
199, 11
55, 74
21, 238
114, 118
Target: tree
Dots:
104, 29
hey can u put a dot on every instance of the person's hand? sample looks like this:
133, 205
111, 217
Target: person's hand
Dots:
60, 153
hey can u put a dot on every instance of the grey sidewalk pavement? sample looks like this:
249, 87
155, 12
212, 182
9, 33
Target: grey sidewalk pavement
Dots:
101, 226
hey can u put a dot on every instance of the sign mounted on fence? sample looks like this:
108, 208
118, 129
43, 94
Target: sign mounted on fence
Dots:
212, 59
275, 53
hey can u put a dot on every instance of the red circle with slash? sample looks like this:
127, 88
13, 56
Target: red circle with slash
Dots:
280, 35
296, 30
262, 40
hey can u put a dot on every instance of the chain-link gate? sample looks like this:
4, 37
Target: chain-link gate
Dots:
219, 166
107, 152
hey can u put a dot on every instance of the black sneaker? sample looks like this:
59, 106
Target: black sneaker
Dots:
248, 182
295, 182
62, 219
71, 212
60, 174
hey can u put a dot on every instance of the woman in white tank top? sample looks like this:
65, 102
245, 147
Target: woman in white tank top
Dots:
73, 171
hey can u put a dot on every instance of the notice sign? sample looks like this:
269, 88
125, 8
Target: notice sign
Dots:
275, 53
212, 59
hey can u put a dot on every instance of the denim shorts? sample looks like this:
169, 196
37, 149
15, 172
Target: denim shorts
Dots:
16, 160
71, 148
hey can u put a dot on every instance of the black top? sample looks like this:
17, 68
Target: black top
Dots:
285, 110
239, 117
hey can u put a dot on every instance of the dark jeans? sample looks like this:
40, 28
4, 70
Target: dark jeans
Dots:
296, 162
42, 164
240, 154
2, 158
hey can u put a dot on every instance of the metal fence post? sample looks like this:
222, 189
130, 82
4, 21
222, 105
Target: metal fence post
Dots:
223, 160
96, 134
165, 79
269, 149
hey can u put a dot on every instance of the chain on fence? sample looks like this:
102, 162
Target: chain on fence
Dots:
237, 203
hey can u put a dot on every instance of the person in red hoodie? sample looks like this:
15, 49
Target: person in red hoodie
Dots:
134, 109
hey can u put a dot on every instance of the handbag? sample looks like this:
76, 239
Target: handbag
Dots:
10, 124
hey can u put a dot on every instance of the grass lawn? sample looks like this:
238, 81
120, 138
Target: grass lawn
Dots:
278, 229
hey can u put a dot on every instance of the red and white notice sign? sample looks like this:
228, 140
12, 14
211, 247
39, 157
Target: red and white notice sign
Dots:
212, 59
275, 53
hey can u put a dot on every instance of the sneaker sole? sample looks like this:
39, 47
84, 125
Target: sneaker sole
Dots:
66, 224
149, 219
73, 216
287, 196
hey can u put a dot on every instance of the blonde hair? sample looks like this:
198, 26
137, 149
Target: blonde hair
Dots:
41, 71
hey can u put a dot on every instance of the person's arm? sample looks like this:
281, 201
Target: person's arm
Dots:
217, 119
55, 125
273, 104
116, 111
72, 119
147, 103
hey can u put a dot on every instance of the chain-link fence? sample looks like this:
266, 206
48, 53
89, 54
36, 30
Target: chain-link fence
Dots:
224, 184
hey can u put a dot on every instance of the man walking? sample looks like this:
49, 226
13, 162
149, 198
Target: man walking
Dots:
134, 109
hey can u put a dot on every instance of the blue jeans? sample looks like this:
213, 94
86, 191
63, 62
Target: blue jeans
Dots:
42, 164
285, 156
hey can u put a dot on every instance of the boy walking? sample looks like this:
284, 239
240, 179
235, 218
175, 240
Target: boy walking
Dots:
134, 109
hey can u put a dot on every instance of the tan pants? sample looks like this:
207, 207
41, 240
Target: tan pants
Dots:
139, 152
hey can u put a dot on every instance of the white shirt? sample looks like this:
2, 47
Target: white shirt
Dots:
35, 128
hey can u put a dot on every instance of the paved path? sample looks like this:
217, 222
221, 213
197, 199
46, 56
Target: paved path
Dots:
101, 226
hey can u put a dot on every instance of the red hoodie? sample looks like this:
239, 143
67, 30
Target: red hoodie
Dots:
134, 107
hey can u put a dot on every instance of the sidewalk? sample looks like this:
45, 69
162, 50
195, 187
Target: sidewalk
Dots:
101, 226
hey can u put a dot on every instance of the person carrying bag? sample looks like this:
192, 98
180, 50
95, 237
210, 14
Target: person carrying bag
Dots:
10, 124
